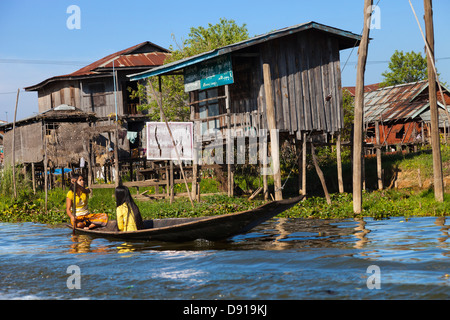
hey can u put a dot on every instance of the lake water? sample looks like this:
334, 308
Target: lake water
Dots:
281, 259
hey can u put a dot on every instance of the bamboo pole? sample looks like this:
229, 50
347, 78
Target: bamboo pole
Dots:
359, 110
116, 132
14, 146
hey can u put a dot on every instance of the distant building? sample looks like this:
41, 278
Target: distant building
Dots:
84, 101
402, 113
91, 88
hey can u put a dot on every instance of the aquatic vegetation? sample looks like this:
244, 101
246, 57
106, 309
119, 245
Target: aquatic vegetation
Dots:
377, 204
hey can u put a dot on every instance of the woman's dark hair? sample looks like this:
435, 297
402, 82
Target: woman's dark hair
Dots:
79, 189
123, 195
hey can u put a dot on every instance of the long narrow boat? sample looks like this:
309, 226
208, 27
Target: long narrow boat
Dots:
187, 229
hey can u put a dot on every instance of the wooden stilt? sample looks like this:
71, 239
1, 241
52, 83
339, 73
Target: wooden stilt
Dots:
359, 106
271, 124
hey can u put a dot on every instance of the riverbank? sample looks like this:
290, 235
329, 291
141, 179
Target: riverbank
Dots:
376, 204
407, 193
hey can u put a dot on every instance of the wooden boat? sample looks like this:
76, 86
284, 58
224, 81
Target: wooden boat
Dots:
187, 229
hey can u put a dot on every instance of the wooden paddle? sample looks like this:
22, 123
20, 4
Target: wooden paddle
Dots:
74, 206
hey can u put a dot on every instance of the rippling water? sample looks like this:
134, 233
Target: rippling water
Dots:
280, 259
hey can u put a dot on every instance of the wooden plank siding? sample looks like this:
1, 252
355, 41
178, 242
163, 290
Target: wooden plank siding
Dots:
306, 82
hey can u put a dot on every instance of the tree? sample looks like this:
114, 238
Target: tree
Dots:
174, 98
404, 68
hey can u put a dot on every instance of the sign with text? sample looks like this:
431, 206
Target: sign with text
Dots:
160, 145
208, 74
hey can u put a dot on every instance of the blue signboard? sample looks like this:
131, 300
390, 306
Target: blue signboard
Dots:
208, 74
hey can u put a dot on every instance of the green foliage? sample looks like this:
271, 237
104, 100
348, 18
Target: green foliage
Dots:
349, 114
173, 97
404, 68
376, 204
202, 39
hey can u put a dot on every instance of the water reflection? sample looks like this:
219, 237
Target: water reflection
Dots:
82, 244
396, 234
440, 221
361, 233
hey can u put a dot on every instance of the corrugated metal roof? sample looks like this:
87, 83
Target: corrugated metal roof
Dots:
128, 58
347, 40
404, 101
367, 88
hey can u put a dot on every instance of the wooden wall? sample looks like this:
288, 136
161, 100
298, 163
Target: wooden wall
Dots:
306, 81
57, 93
89, 95
28, 144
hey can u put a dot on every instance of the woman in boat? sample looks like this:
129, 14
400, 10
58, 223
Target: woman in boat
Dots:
128, 215
82, 217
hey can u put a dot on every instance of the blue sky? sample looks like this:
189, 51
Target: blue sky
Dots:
36, 30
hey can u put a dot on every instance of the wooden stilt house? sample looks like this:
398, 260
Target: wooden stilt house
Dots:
296, 68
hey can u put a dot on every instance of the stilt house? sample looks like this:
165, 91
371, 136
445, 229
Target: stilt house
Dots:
227, 85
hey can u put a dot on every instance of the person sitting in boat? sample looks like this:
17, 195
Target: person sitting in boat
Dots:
128, 215
82, 217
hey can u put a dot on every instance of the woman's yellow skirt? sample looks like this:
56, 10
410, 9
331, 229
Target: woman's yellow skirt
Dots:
99, 219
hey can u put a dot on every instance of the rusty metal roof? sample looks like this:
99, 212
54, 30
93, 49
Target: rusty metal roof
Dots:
397, 102
143, 55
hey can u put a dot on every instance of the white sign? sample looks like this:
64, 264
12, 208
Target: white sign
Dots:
160, 145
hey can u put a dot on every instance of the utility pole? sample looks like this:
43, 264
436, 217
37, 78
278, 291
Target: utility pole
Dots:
435, 143
359, 110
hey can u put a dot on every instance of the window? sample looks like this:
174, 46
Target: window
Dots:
97, 92
209, 109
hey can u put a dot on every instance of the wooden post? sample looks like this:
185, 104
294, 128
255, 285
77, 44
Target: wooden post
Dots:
271, 124
378, 151
194, 185
263, 166
45, 166
14, 146
435, 143
171, 182
359, 109
339, 163
116, 154
320, 174
33, 173
166, 165
299, 164
304, 164
230, 153
63, 179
